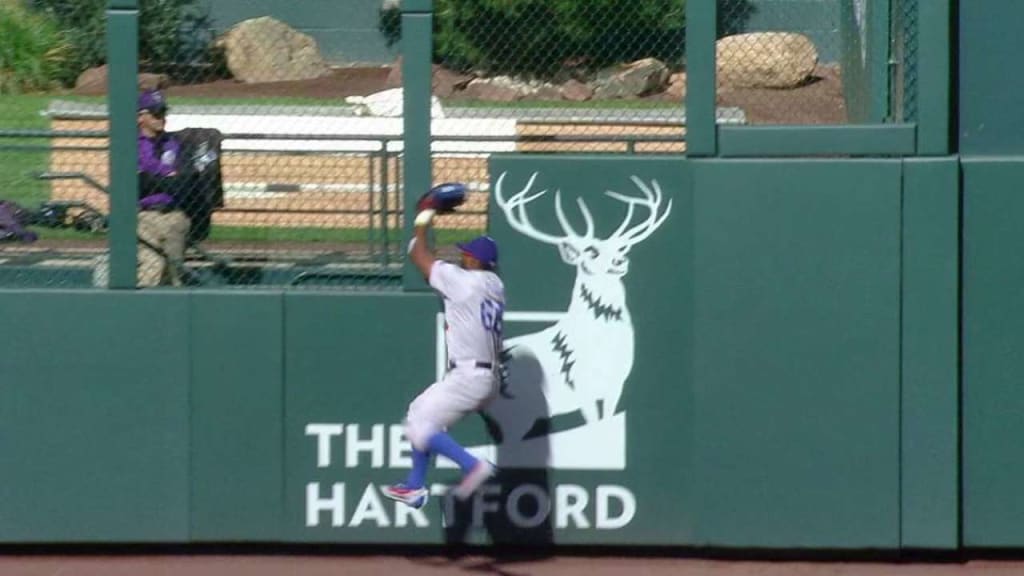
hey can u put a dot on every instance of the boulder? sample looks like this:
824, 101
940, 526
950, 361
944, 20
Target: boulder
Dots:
149, 81
676, 86
765, 60
632, 80
444, 82
576, 91
94, 81
268, 50
546, 92
488, 89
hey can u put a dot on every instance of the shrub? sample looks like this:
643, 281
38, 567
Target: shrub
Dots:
33, 51
173, 34
542, 37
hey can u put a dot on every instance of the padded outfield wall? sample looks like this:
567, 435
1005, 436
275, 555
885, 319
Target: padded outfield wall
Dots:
749, 361
805, 352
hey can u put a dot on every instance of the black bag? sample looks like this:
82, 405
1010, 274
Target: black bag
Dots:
201, 187
13, 222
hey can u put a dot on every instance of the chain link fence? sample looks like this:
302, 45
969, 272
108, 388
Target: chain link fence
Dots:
552, 77
803, 62
305, 187
289, 165
278, 177
903, 48
780, 61
47, 239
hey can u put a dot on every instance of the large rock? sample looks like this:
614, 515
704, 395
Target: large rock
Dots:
631, 80
576, 91
94, 81
444, 82
676, 86
268, 50
765, 60
495, 89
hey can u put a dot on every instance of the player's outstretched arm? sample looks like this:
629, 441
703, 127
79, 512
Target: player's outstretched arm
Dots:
419, 251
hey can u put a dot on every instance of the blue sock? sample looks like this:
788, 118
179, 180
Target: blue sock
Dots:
418, 474
442, 443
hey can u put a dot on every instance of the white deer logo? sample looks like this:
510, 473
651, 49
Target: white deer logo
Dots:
581, 362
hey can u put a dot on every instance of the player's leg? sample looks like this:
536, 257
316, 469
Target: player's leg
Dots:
459, 393
474, 470
417, 477
428, 418
413, 491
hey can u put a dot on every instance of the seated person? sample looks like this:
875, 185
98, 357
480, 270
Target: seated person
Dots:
163, 224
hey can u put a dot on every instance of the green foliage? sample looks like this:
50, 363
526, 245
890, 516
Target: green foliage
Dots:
733, 16
33, 51
173, 34
543, 38
548, 38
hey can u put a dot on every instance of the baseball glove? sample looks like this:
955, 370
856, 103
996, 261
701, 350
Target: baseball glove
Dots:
443, 198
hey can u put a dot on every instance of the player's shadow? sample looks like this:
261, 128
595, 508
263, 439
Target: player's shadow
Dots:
514, 509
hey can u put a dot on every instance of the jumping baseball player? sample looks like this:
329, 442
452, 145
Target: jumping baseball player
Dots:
474, 301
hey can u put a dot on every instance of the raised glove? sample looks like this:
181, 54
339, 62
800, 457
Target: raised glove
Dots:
443, 198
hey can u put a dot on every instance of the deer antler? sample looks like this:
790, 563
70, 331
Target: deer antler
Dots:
565, 221
515, 211
652, 201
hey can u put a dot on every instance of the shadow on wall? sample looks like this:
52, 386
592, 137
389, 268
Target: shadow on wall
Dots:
514, 509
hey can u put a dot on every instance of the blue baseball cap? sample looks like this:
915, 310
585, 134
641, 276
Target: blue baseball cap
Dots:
152, 100
483, 248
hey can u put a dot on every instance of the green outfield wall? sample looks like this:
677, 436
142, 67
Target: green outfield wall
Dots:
748, 368
792, 337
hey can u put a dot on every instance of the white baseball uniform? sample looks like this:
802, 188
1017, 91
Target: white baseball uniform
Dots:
474, 303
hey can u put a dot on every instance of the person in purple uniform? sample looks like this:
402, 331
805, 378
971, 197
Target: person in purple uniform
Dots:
162, 222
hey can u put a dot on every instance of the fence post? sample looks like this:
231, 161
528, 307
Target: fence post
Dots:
701, 113
417, 48
879, 35
934, 110
122, 90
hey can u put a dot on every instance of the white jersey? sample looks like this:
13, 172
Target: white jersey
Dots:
474, 303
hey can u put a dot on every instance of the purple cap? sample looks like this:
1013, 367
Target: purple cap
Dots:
152, 100
483, 249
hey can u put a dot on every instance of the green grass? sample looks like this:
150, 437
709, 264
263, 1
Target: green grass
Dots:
16, 184
21, 111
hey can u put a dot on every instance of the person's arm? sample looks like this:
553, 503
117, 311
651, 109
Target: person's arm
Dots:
419, 251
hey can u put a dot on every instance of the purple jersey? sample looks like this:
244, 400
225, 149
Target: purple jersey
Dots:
158, 156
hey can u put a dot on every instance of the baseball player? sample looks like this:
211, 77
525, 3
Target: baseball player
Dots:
474, 301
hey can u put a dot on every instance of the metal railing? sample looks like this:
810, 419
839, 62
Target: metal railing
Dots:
320, 258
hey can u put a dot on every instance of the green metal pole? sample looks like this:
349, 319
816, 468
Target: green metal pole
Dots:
934, 53
123, 60
701, 34
417, 47
879, 34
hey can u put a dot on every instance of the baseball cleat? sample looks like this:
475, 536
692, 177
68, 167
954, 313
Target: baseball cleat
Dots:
474, 479
414, 497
